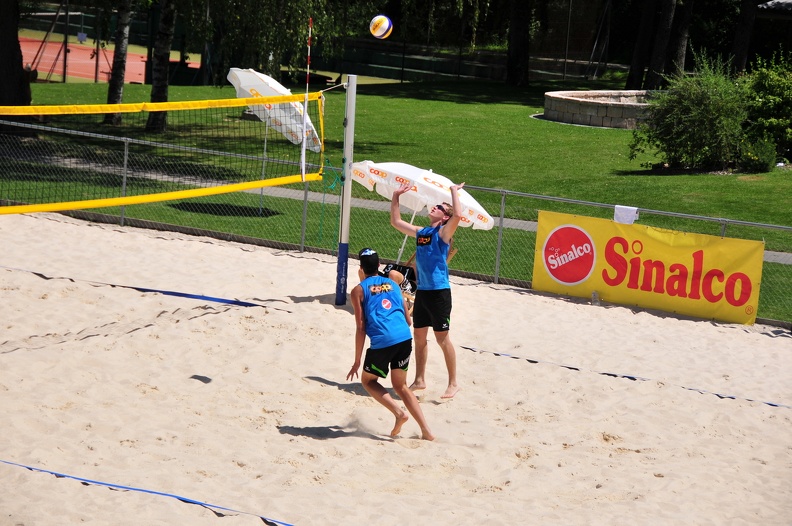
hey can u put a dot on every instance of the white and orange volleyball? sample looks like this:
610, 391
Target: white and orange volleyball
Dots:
381, 26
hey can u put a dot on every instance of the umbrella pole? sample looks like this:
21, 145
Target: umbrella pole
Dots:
404, 241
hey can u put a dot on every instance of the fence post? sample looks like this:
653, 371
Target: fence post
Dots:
124, 179
500, 235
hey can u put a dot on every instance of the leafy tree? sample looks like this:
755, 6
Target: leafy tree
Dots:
662, 35
115, 87
15, 87
680, 35
643, 46
444, 22
265, 34
160, 68
742, 35
722, 27
517, 56
769, 92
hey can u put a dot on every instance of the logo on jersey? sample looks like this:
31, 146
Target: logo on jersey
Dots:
379, 289
424, 240
386, 304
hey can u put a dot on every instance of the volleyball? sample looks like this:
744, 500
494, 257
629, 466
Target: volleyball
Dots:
381, 26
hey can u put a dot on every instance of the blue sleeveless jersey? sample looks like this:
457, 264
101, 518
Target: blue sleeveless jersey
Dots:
431, 255
383, 312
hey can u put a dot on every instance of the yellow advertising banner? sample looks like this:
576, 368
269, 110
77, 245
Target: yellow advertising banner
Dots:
692, 274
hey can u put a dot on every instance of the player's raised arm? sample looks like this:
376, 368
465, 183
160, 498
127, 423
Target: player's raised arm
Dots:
447, 232
395, 212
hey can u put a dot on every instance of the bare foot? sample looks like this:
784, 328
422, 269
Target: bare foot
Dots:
450, 391
427, 435
400, 421
417, 386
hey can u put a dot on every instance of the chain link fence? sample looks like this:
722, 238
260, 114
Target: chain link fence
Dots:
61, 164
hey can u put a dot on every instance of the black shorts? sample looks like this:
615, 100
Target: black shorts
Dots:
378, 361
432, 309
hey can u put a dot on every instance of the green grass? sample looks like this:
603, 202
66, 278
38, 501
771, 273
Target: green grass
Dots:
485, 134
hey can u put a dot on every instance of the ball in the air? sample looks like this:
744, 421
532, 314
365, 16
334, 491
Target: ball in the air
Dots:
381, 26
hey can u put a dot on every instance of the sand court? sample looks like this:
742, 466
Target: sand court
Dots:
185, 409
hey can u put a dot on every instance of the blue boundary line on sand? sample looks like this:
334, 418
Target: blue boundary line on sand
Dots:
238, 303
226, 301
211, 507
626, 376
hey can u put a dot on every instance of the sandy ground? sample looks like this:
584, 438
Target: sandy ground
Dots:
568, 414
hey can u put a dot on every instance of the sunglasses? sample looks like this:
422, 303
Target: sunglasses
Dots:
440, 207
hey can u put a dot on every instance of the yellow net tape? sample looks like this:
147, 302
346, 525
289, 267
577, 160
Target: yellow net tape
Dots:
153, 198
152, 106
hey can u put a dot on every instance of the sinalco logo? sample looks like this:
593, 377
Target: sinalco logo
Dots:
569, 255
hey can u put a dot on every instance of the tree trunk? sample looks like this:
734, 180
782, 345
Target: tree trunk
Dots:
160, 69
115, 88
742, 35
680, 34
15, 85
518, 52
642, 47
654, 77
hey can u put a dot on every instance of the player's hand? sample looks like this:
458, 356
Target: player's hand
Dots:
459, 186
403, 189
353, 372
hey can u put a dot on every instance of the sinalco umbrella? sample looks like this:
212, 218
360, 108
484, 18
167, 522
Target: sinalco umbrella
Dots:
428, 189
286, 117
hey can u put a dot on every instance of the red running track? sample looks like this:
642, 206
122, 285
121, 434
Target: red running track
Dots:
81, 62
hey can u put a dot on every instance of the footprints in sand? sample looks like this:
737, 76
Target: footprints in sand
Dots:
41, 341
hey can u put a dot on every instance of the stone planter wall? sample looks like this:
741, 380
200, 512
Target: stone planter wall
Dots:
609, 109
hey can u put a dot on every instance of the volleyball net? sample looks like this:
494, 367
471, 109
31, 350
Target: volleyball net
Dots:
69, 157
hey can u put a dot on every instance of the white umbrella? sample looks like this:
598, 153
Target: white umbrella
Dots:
286, 117
428, 189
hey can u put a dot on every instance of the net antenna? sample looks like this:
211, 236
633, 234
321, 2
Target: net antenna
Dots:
305, 106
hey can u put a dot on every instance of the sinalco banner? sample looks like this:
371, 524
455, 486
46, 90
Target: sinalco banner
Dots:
691, 274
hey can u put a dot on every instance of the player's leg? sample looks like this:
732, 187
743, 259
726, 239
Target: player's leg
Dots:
449, 353
441, 324
421, 323
420, 336
399, 381
372, 386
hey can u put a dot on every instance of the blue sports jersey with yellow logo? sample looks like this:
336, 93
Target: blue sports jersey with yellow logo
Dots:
383, 312
431, 255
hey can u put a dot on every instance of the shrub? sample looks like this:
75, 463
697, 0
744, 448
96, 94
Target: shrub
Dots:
769, 97
696, 123
757, 157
